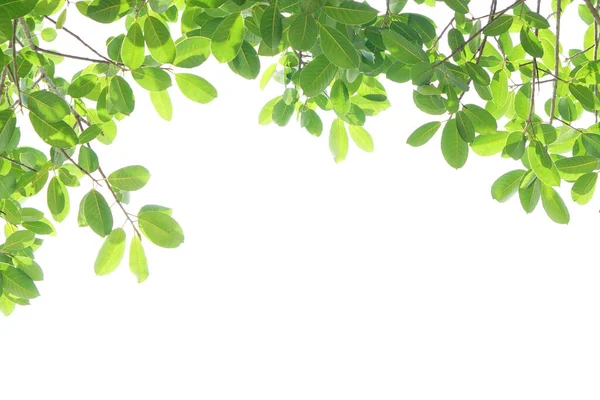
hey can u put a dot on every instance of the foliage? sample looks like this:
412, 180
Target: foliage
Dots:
525, 94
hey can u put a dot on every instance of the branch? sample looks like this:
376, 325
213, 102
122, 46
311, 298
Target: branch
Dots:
56, 53
593, 10
556, 59
18, 163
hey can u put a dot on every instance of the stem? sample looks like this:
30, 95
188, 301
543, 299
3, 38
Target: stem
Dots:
556, 58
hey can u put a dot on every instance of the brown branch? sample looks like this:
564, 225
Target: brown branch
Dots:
80, 40
556, 59
56, 53
15, 69
593, 10
18, 163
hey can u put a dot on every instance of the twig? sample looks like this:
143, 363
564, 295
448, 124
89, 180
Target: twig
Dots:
556, 58
18, 163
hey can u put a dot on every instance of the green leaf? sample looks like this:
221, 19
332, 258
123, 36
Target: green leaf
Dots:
535, 20
133, 49
482, 120
499, 25
361, 137
567, 109
454, 148
97, 213
160, 229
338, 140
351, 12
265, 117
488, 145
459, 6
310, 6
477, 74
58, 134
82, 86
88, 159
531, 44
41, 227
159, 41
317, 75
577, 164
111, 253
90, 133
17, 8
465, 127
56, 196
312, 122
162, 104
196, 88
340, 98
121, 95
192, 52
48, 106
303, 32
138, 264
227, 39
131, 178
554, 205
30, 267
337, 48
507, 185
246, 63
282, 112
103, 11
271, 27
402, 49
423, 134
152, 79
584, 187
17, 283
584, 95
529, 192
591, 143
542, 164
18, 240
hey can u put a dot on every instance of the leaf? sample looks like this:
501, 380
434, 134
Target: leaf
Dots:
337, 48
159, 41
133, 49
160, 229
227, 39
536, 20
584, 95
152, 79
192, 52
121, 95
482, 120
529, 194
17, 283
56, 196
454, 148
88, 160
577, 164
554, 205
317, 75
423, 134
312, 122
542, 165
488, 145
339, 97
267, 75
271, 27
17, 8
499, 25
459, 6
591, 143
111, 253
351, 12
303, 32
30, 267
584, 187
131, 178
90, 133
138, 264
58, 134
97, 213
402, 49
477, 74
246, 63
465, 127
196, 88
361, 137
103, 11
310, 6
531, 44
48, 106
567, 109
338, 140
82, 86
162, 104
18, 240
507, 185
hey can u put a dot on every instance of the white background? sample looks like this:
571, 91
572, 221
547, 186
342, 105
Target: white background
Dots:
389, 276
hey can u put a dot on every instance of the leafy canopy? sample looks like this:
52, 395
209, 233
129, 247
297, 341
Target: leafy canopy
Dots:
493, 84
